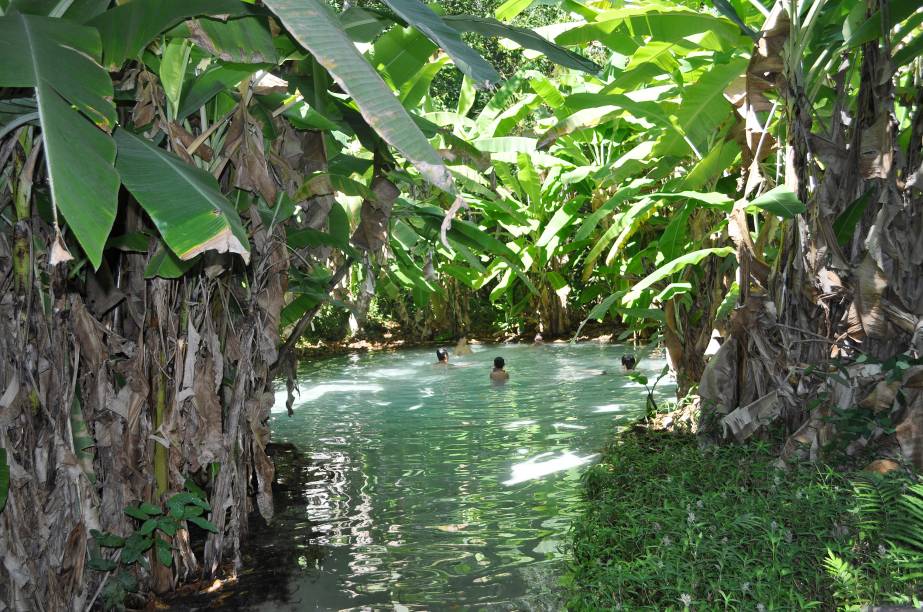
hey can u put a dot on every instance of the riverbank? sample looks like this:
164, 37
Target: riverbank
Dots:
667, 525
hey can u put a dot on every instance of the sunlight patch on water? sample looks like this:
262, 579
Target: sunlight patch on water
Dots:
568, 426
315, 392
610, 408
534, 469
518, 424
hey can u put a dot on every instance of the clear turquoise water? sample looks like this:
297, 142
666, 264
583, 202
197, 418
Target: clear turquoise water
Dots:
428, 487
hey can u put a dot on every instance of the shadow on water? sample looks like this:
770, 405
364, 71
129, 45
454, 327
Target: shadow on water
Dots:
272, 554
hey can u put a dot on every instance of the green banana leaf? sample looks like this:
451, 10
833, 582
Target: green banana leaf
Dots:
361, 25
128, 28
672, 267
60, 60
780, 201
246, 40
466, 59
314, 26
183, 201
525, 38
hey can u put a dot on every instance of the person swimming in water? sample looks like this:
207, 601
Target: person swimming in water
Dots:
498, 374
462, 347
442, 357
538, 340
629, 362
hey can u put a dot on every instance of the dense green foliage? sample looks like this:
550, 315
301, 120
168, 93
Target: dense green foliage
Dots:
671, 526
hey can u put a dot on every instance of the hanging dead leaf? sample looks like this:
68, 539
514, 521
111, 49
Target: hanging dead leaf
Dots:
374, 220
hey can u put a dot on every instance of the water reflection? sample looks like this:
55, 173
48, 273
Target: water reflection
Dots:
429, 488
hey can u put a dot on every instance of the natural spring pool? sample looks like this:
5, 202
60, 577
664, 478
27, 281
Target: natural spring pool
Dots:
427, 487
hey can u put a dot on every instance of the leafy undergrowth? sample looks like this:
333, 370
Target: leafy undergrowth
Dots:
670, 526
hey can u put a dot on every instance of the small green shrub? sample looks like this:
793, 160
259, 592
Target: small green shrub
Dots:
188, 505
670, 526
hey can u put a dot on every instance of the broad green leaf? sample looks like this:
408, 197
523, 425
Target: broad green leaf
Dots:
361, 25
660, 23
631, 224
525, 38
401, 53
713, 198
728, 302
547, 90
512, 8
164, 554
673, 239
671, 291
183, 201
150, 509
173, 71
617, 198
621, 224
130, 27
165, 264
413, 91
599, 311
528, 179
4, 479
136, 513
202, 523
466, 59
246, 40
506, 144
780, 201
672, 267
597, 109
702, 110
59, 59
898, 10
466, 97
845, 224
909, 52
561, 219
314, 26
728, 10
210, 83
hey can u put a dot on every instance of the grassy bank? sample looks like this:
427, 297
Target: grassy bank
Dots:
670, 526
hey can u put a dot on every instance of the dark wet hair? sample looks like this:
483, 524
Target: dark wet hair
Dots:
629, 361
499, 363
442, 354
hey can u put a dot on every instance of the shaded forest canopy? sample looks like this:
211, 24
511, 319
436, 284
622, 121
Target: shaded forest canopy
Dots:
184, 185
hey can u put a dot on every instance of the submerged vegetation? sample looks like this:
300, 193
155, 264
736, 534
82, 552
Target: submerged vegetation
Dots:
185, 185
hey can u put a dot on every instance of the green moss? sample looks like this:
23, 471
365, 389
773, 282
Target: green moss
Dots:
670, 526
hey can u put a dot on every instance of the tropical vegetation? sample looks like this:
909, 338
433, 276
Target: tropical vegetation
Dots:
184, 186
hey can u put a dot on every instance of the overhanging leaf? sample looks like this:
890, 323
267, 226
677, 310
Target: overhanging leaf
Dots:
128, 28
183, 201
689, 259
524, 37
315, 27
59, 59
466, 59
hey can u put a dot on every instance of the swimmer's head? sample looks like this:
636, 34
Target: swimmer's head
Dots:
538, 338
499, 363
442, 354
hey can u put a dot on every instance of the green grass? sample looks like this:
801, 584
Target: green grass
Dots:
670, 526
